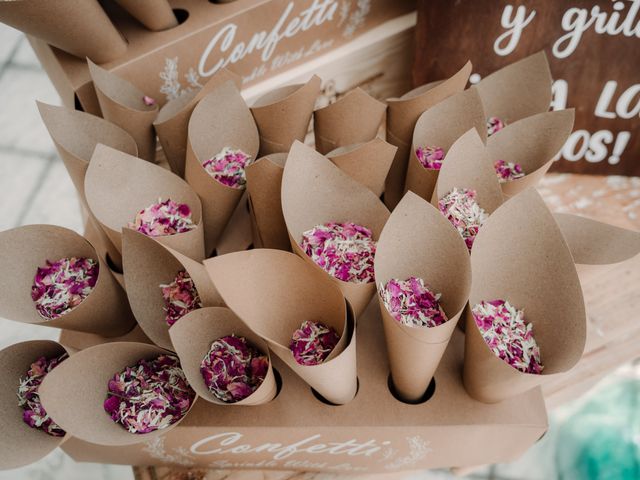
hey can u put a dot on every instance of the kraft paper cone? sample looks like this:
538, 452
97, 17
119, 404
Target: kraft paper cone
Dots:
355, 118
80, 28
122, 103
172, 122
21, 444
104, 311
367, 163
283, 115
419, 241
532, 142
118, 186
154, 14
402, 115
467, 164
86, 374
535, 273
193, 336
264, 181
518, 90
315, 192
147, 265
273, 292
221, 119
440, 126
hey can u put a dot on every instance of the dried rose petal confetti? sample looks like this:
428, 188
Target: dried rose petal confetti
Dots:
508, 171
63, 285
233, 369
509, 337
462, 210
149, 101
150, 395
412, 303
312, 343
344, 250
494, 125
34, 414
180, 297
227, 167
430, 157
163, 218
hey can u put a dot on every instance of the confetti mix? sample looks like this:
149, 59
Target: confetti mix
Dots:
148, 101
464, 213
508, 335
344, 250
227, 167
312, 343
62, 285
430, 157
494, 124
180, 297
163, 218
34, 414
149, 396
233, 369
508, 171
412, 303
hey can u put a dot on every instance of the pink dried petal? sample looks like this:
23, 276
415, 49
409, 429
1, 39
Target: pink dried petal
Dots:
507, 334
345, 251
494, 125
180, 297
412, 303
507, 171
464, 213
148, 101
163, 218
34, 413
228, 167
233, 369
312, 343
430, 157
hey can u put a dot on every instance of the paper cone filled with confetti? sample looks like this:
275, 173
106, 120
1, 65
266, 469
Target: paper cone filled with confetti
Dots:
124, 191
354, 118
436, 130
333, 221
171, 124
299, 312
225, 362
124, 393
28, 432
423, 277
124, 105
402, 115
283, 115
264, 182
223, 141
525, 322
367, 163
54, 277
155, 15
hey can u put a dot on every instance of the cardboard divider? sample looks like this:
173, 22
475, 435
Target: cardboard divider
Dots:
533, 142
221, 119
171, 124
21, 444
153, 14
315, 192
440, 126
264, 182
283, 115
402, 115
193, 336
368, 163
519, 90
104, 311
118, 186
354, 118
536, 273
87, 374
147, 265
122, 104
419, 241
274, 292
82, 28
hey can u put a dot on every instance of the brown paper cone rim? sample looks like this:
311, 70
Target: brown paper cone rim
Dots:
287, 93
